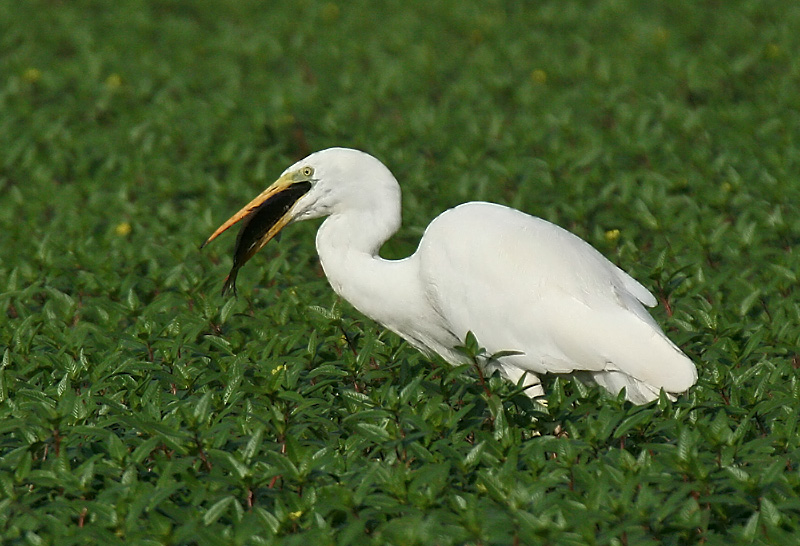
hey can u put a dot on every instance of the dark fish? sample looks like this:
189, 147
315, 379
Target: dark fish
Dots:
256, 226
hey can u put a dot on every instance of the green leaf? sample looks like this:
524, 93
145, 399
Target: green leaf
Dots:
226, 310
770, 512
201, 409
217, 509
751, 527
144, 449
632, 421
241, 469
474, 454
63, 385
372, 432
253, 444
115, 447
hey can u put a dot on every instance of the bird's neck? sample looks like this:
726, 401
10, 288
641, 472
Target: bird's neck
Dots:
388, 291
348, 244
358, 232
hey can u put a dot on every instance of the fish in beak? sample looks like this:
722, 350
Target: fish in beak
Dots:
262, 219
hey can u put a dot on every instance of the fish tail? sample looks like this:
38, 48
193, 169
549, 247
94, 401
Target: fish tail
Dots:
230, 283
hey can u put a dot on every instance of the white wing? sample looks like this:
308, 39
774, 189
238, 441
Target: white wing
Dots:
520, 283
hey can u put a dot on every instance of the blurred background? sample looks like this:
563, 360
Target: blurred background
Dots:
159, 117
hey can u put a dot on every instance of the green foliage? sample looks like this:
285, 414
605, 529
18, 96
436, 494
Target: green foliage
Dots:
139, 407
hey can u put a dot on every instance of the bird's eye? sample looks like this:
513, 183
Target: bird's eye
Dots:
306, 171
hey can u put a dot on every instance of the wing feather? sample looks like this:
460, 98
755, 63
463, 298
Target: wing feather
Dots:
520, 283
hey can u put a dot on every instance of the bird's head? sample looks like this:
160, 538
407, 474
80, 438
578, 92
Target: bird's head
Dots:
319, 185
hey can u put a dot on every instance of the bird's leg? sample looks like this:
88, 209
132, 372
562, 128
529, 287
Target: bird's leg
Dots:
534, 389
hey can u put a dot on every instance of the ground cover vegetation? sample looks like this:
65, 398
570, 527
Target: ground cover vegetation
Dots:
138, 406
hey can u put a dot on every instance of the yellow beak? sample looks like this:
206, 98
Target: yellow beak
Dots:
264, 217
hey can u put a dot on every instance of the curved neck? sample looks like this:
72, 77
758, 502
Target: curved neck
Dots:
348, 243
390, 292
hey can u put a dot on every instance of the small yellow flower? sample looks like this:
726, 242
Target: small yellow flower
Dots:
295, 515
612, 235
773, 51
122, 229
278, 369
539, 76
32, 75
330, 12
114, 81
286, 120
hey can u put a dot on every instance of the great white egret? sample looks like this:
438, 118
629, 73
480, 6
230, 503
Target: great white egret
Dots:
540, 297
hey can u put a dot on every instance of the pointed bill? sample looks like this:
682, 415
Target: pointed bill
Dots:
262, 219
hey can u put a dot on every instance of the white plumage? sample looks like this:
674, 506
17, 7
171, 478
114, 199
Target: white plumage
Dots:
517, 282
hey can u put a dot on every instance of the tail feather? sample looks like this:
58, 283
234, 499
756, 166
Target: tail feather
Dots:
619, 349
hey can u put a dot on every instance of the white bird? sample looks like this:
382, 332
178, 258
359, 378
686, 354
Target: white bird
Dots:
540, 297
